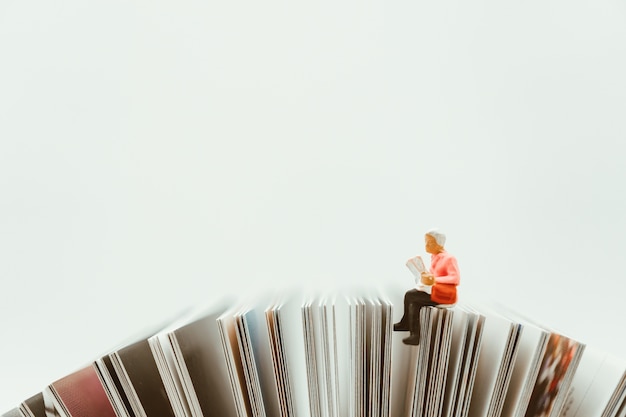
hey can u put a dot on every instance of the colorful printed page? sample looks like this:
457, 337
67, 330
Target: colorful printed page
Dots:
80, 394
599, 386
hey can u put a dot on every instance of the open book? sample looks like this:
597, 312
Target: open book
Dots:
336, 355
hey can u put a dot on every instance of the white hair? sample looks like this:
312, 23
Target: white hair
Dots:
440, 238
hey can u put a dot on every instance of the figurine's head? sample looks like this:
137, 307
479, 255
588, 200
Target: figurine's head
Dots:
435, 240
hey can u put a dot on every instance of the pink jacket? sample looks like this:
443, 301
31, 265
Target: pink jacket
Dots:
444, 268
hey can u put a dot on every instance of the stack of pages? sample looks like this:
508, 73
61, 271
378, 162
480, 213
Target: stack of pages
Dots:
336, 355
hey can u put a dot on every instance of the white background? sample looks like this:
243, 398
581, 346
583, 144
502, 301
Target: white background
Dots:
153, 154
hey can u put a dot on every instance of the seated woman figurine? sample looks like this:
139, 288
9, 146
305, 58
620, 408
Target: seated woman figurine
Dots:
443, 276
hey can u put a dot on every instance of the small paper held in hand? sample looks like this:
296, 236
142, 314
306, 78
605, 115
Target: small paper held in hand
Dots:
416, 266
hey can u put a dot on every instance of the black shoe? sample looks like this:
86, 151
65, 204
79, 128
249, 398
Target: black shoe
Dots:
401, 327
412, 340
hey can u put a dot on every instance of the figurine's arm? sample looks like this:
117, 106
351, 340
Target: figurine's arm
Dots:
452, 275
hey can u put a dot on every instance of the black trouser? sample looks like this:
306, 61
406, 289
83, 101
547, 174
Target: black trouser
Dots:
415, 300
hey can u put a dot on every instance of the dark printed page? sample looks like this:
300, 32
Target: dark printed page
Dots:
145, 381
34, 406
113, 385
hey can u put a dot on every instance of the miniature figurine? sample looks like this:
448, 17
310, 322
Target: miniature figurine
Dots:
433, 288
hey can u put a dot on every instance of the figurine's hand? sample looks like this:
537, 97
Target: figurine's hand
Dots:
428, 278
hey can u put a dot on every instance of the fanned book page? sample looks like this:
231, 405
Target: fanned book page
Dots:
199, 362
464, 351
337, 355
232, 357
79, 394
141, 380
499, 335
285, 327
254, 341
33, 406
598, 388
